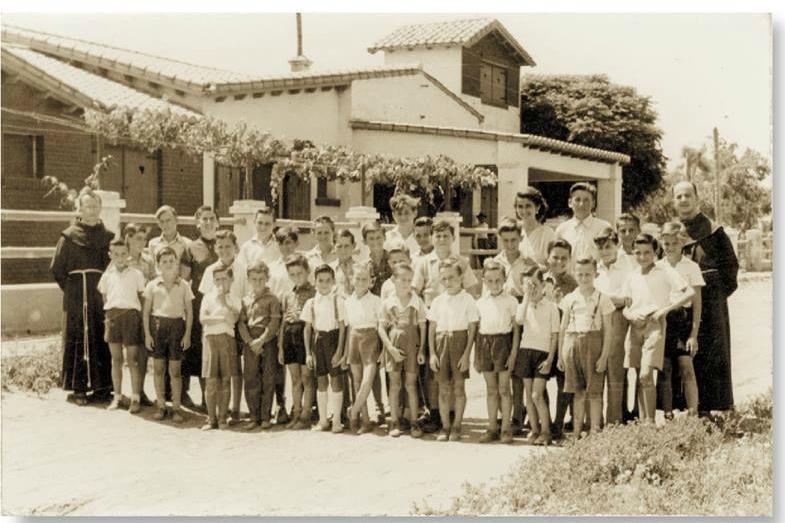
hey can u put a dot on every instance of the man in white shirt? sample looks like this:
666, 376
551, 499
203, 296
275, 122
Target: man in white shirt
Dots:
262, 246
581, 229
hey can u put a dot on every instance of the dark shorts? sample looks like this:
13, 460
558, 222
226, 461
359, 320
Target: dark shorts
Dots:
363, 346
581, 352
527, 364
325, 345
677, 332
450, 347
293, 343
406, 338
123, 326
192, 358
167, 337
493, 350
219, 357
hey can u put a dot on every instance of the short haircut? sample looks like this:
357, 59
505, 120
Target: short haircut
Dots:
358, 268
402, 267
535, 196
258, 266
489, 264
296, 260
203, 209
423, 221
324, 269
165, 208
133, 228
674, 229
608, 233
508, 224
326, 220
345, 233
286, 233
628, 217
586, 261
226, 269
646, 239
401, 200
536, 273
451, 262
443, 225
264, 209
397, 246
584, 186
370, 227
166, 251
224, 234
118, 243
694, 187
559, 243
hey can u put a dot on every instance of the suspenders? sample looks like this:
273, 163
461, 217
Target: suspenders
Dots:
593, 314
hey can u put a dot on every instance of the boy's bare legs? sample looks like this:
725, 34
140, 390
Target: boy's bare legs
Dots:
412, 397
377, 391
540, 406
647, 395
460, 402
690, 384
177, 384
133, 366
595, 413
322, 383
578, 405
117, 374
395, 402
664, 390
518, 400
297, 391
445, 391
336, 385
211, 396
505, 399
531, 409
309, 394
563, 400
491, 400
365, 379
159, 369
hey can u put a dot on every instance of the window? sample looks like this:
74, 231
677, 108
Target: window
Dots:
326, 193
23, 156
493, 84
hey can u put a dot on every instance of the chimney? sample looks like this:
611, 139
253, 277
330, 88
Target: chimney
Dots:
300, 62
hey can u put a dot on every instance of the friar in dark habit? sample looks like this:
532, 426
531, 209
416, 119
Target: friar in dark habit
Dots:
712, 250
81, 256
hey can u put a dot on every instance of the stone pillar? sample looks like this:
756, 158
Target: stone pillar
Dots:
208, 180
514, 163
754, 249
359, 216
455, 220
243, 212
609, 195
111, 207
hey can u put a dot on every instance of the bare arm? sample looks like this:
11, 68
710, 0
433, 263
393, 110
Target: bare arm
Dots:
146, 312
432, 344
607, 324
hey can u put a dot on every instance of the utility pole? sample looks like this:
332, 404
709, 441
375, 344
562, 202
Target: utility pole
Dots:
299, 17
717, 181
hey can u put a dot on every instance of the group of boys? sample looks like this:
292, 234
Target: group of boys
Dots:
404, 303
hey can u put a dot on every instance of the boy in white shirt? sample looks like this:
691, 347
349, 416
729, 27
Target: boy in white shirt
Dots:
362, 346
404, 210
581, 229
121, 286
497, 345
453, 320
651, 293
262, 246
344, 264
683, 323
219, 313
324, 316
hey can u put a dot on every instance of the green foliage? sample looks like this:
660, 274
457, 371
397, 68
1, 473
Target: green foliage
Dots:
38, 371
591, 111
688, 466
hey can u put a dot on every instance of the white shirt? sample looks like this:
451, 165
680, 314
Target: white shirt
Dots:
255, 250
497, 313
212, 306
610, 280
539, 324
427, 281
343, 277
627, 259
179, 244
388, 289
239, 281
394, 235
534, 245
581, 234
121, 288
394, 311
585, 314
321, 312
689, 271
363, 313
453, 312
280, 284
514, 271
653, 290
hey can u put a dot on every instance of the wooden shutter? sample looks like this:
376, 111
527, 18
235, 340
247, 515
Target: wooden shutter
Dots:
499, 91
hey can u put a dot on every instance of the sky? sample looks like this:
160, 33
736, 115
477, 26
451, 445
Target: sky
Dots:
700, 70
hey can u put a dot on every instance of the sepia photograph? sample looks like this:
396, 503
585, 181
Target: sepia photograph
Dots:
387, 264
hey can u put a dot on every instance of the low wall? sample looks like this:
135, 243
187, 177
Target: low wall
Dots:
33, 308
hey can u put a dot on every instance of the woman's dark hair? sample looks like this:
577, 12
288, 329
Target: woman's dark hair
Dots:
535, 196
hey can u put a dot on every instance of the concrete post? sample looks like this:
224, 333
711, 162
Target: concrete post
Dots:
609, 195
111, 207
208, 180
360, 216
243, 212
455, 220
754, 250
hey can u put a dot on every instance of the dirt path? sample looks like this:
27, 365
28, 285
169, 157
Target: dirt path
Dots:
59, 459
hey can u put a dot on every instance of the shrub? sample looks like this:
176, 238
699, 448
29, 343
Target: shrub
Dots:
37, 371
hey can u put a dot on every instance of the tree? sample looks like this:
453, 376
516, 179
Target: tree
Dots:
591, 111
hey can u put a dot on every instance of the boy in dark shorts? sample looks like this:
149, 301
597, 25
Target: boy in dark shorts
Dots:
324, 339
168, 319
402, 330
497, 344
218, 314
121, 287
585, 342
260, 318
291, 344
362, 346
453, 320
539, 318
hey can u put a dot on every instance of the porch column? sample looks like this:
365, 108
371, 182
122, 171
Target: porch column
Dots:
454, 219
609, 195
243, 212
514, 163
208, 180
111, 207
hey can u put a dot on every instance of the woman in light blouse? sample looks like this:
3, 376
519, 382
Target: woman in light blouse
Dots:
530, 209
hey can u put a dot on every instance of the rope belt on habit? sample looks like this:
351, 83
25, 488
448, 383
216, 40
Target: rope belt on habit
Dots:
85, 325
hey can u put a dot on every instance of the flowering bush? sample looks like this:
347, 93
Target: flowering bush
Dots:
37, 372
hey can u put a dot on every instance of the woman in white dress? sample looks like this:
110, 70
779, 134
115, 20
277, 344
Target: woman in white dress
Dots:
530, 209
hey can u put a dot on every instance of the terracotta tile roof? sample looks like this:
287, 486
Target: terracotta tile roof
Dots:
531, 141
456, 32
81, 86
